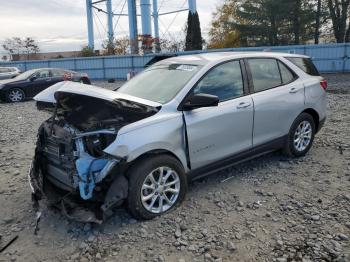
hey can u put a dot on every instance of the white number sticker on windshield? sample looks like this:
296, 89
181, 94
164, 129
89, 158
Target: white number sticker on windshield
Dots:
188, 68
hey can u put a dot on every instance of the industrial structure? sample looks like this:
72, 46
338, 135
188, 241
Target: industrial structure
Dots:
144, 8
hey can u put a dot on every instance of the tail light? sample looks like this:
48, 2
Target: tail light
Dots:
324, 84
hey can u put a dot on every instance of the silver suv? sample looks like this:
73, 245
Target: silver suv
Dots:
181, 118
9, 72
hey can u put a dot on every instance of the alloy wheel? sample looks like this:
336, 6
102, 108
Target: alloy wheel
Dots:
160, 190
16, 95
303, 136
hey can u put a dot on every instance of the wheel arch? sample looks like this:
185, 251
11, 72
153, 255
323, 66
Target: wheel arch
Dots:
155, 152
315, 116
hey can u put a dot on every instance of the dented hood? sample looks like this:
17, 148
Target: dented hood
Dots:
49, 95
92, 108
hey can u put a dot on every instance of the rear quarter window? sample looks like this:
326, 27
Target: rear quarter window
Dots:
304, 64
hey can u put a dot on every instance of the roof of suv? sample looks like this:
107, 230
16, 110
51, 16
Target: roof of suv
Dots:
206, 58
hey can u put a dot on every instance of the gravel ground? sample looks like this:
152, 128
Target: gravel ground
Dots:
268, 209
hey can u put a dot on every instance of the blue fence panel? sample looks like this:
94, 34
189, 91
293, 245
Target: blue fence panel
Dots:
327, 57
66, 64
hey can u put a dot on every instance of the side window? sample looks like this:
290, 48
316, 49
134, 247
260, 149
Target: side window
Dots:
286, 74
57, 73
305, 64
42, 74
224, 81
265, 73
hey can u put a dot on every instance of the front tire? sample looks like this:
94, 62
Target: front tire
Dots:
15, 95
157, 184
301, 136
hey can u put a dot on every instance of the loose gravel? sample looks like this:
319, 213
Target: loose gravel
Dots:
268, 209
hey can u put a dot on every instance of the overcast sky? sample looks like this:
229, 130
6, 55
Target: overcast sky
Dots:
60, 25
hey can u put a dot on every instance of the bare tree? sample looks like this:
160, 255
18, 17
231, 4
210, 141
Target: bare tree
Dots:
339, 10
318, 21
16, 46
30, 46
119, 46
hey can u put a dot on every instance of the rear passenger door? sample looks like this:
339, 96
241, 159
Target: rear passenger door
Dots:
278, 97
57, 75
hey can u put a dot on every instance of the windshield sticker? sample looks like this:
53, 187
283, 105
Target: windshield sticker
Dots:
188, 68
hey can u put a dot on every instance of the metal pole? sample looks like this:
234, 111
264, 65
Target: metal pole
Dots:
146, 17
90, 24
133, 26
110, 21
156, 25
192, 5
146, 25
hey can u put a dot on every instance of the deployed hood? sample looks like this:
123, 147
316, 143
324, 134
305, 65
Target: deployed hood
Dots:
89, 108
49, 95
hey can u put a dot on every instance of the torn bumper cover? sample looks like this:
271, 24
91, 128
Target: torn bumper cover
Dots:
84, 187
70, 168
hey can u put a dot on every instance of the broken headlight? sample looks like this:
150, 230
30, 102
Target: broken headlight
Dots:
95, 144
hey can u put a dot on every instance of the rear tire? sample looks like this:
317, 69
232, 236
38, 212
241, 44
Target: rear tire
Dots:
301, 136
15, 95
148, 199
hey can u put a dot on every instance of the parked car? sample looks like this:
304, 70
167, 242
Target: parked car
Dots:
180, 119
32, 82
9, 72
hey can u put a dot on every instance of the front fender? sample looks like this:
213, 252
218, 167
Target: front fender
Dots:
167, 135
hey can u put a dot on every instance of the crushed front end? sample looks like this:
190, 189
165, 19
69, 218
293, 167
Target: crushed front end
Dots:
70, 169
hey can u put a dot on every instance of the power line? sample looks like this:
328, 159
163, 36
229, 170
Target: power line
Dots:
171, 23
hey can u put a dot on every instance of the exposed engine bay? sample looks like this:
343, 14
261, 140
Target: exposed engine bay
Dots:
70, 168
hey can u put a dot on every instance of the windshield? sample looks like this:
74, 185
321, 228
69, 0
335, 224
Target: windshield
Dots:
26, 74
160, 83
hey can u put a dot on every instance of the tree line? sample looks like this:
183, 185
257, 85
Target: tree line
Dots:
275, 22
17, 46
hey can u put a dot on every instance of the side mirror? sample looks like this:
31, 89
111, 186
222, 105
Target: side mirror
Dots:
199, 101
32, 78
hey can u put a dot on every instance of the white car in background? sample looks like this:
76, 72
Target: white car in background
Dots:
9, 72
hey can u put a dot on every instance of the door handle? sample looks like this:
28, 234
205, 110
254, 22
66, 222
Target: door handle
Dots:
48, 80
243, 105
293, 90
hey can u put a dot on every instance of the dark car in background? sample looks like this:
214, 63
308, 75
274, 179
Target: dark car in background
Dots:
32, 82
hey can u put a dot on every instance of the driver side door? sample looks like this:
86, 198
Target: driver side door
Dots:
216, 133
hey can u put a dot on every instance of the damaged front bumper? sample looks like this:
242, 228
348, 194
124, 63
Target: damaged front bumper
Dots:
70, 174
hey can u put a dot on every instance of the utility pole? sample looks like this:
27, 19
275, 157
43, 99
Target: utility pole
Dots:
134, 44
146, 26
90, 24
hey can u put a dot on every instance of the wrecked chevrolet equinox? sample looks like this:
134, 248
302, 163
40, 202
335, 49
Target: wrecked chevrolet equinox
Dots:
180, 119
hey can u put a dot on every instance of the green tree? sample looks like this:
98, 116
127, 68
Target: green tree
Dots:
87, 51
263, 22
223, 33
194, 40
